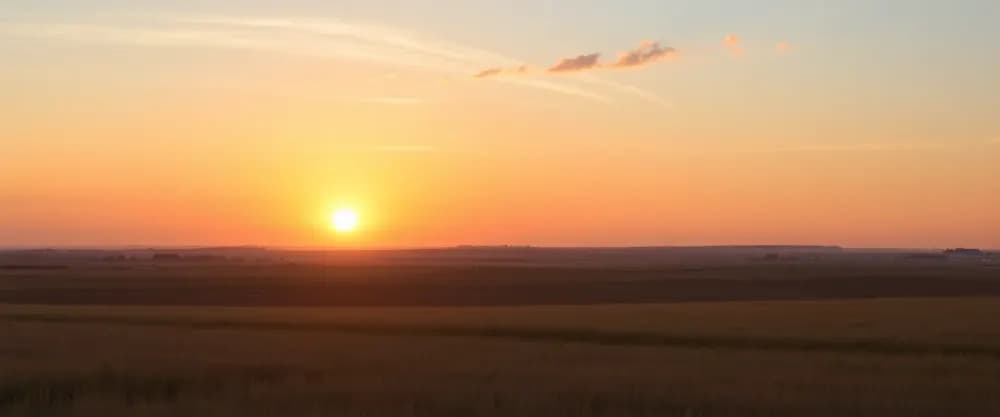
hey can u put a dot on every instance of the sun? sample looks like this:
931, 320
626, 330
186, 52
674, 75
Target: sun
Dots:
344, 220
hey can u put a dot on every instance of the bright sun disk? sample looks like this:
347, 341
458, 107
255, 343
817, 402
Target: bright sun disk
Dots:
345, 220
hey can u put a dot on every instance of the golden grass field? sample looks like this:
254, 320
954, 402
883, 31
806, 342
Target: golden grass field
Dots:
877, 357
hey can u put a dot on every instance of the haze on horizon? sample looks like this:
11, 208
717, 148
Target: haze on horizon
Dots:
567, 123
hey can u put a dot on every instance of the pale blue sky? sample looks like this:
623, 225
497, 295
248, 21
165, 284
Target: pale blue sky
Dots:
928, 65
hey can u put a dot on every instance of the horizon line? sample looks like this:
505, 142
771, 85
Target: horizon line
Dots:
137, 247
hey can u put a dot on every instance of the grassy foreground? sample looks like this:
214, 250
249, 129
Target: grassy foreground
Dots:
901, 357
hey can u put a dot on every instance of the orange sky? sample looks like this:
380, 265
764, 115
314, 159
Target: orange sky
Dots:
108, 139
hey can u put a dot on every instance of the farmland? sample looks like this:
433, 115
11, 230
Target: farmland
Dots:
582, 341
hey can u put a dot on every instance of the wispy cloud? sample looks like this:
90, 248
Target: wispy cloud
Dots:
578, 63
323, 38
627, 89
385, 36
135, 36
646, 53
733, 43
561, 88
332, 39
491, 72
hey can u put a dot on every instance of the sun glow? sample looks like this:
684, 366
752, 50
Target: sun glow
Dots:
344, 220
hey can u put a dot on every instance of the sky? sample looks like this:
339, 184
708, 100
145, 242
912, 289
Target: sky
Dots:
561, 123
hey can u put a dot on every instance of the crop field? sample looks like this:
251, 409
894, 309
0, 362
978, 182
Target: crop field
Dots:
878, 357
457, 285
498, 332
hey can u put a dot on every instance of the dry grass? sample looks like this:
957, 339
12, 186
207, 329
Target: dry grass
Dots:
78, 361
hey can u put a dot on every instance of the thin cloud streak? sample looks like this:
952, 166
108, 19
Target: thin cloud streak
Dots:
406, 41
629, 90
220, 38
133, 36
646, 54
492, 72
488, 72
558, 87
368, 33
316, 38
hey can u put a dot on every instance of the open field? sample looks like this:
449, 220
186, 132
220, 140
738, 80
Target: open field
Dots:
820, 358
481, 277
499, 332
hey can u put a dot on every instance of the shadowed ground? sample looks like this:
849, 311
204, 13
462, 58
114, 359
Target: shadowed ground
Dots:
292, 285
931, 357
